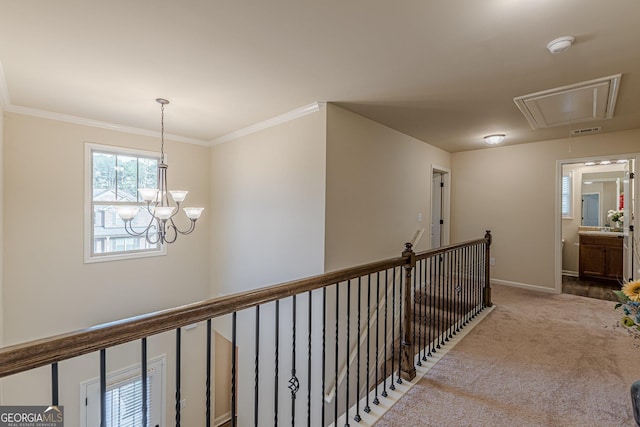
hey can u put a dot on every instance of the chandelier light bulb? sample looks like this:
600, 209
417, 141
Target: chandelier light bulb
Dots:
178, 195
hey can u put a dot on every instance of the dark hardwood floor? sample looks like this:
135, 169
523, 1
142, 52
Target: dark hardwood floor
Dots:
589, 288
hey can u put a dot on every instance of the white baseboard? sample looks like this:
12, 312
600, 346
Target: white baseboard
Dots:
377, 411
222, 419
570, 273
525, 286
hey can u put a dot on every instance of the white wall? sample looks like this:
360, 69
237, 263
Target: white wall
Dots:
268, 223
378, 180
47, 287
512, 191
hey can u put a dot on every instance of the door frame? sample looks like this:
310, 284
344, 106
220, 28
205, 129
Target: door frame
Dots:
558, 206
446, 203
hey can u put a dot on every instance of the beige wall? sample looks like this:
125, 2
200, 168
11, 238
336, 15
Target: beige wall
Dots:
513, 191
47, 287
268, 219
378, 181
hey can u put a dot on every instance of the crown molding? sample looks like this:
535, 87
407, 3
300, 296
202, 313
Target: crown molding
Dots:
5, 101
282, 118
27, 111
6, 105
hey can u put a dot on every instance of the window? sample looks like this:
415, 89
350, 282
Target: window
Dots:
124, 397
566, 195
113, 176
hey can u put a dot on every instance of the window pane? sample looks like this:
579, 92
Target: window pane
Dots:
109, 234
566, 195
127, 178
104, 176
124, 404
147, 173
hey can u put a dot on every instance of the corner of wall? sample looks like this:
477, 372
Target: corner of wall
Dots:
1, 238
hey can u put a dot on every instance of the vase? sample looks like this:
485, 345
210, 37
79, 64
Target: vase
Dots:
635, 401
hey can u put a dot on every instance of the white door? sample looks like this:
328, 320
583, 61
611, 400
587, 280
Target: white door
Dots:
628, 199
124, 397
437, 219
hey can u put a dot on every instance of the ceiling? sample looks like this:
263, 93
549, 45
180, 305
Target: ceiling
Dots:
442, 71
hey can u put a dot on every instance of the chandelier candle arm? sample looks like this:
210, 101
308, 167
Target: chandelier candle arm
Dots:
158, 205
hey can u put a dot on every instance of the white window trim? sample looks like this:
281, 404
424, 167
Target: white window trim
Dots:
88, 206
155, 366
569, 214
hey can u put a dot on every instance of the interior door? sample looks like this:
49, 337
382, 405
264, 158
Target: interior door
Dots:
436, 209
628, 201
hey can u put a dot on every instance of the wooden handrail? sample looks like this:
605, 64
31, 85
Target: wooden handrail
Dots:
40, 352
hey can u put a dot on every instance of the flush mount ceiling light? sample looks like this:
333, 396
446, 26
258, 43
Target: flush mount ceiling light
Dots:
161, 229
494, 139
560, 44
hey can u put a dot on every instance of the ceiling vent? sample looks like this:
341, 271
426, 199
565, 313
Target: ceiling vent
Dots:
584, 131
580, 102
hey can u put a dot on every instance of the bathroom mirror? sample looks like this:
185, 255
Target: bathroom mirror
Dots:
601, 191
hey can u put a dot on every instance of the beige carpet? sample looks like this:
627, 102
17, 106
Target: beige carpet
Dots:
536, 360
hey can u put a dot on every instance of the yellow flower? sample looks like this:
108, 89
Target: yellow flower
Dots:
632, 290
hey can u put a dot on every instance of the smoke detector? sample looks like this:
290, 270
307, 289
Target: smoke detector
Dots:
560, 44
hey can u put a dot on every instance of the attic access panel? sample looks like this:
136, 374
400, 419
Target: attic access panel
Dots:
580, 102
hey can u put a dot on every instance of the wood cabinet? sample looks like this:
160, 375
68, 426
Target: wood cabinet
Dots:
601, 257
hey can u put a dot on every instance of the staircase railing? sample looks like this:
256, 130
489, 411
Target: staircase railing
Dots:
435, 293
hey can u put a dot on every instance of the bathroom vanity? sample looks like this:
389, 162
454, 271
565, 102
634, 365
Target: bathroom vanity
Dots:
601, 255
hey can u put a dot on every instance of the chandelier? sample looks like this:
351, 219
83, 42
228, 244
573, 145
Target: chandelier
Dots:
161, 228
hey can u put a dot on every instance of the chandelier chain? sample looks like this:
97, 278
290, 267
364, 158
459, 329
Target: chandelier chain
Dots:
162, 133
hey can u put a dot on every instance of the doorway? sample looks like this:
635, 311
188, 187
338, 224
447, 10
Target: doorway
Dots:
591, 191
440, 206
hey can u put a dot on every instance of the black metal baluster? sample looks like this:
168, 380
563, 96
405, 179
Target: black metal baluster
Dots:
294, 385
324, 356
417, 311
376, 401
400, 339
423, 320
449, 297
54, 384
393, 330
103, 388
178, 358
309, 365
367, 408
348, 345
468, 283
386, 345
440, 302
431, 285
335, 396
456, 302
234, 368
277, 344
458, 292
424, 307
256, 380
357, 417
208, 382
143, 374
475, 280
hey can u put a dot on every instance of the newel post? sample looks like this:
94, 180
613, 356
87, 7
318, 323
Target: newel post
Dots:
408, 371
487, 277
